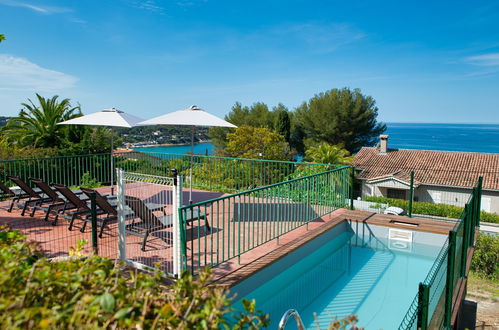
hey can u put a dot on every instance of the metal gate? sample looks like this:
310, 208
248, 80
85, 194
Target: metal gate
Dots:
148, 221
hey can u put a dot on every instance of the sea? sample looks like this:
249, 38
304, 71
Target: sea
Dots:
450, 137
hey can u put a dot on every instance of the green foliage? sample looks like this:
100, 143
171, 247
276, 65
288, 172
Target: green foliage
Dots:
93, 292
2, 37
257, 115
88, 182
348, 322
485, 262
214, 174
283, 123
7, 151
257, 143
36, 125
426, 208
324, 153
340, 116
94, 140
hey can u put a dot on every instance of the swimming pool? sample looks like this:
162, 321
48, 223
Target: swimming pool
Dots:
351, 269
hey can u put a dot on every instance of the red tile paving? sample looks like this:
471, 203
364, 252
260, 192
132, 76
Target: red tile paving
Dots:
220, 246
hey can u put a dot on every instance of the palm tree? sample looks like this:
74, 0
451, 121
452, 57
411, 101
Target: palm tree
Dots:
37, 125
325, 153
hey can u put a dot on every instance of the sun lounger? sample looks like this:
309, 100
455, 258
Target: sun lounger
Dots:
48, 205
149, 222
5, 192
105, 208
30, 198
74, 207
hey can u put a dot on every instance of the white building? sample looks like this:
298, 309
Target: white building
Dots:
439, 176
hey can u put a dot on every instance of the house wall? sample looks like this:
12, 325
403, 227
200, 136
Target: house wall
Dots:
436, 194
380, 188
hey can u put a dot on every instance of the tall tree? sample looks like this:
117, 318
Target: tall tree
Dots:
282, 122
340, 116
256, 115
37, 126
256, 142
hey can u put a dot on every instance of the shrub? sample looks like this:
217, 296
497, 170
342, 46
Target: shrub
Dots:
426, 208
485, 260
88, 182
93, 292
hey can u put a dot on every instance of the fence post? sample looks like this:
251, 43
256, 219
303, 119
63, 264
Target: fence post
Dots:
449, 292
352, 179
120, 182
423, 303
411, 195
466, 235
93, 217
178, 238
479, 200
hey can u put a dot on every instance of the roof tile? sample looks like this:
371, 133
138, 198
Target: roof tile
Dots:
445, 168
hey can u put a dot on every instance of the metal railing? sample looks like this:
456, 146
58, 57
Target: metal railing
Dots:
226, 227
221, 174
284, 319
67, 170
434, 305
211, 173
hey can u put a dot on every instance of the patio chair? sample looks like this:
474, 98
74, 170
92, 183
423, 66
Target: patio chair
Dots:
150, 222
31, 197
47, 206
74, 207
104, 208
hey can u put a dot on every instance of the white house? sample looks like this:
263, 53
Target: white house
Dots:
439, 176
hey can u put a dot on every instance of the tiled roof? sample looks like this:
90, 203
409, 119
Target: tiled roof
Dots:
445, 168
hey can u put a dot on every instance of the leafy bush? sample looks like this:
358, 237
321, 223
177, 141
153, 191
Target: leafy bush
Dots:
93, 292
485, 260
426, 208
88, 182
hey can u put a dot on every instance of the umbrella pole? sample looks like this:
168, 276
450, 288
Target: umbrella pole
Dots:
190, 170
112, 161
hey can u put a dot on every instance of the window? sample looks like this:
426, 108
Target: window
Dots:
395, 193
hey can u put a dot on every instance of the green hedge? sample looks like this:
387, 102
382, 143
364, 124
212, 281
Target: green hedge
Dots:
426, 208
94, 293
485, 260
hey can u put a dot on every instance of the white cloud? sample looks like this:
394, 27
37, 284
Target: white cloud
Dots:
38, 8
321, 38
150, 5
18, 73
491, 59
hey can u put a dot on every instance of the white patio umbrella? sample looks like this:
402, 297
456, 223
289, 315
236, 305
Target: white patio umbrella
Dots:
192, 116
110, 118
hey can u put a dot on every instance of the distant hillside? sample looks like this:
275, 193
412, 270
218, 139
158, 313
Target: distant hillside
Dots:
3, 120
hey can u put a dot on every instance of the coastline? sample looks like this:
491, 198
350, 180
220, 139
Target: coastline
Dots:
169, 144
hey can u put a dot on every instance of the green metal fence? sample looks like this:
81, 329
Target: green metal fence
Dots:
67, 170
224, 228
434, 305
221, 174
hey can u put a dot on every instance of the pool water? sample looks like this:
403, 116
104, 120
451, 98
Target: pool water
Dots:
347, 274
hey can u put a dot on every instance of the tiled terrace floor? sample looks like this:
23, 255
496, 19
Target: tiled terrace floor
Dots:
203, 247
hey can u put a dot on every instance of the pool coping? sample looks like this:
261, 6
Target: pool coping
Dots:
422, 224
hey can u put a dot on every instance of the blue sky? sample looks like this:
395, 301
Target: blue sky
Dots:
423, 61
